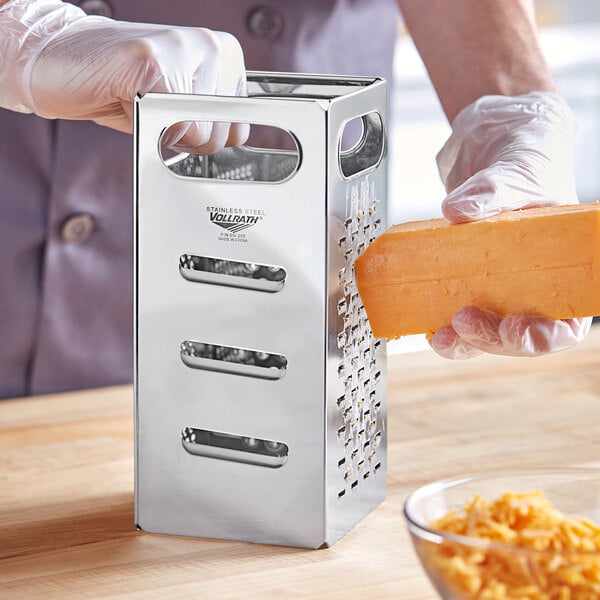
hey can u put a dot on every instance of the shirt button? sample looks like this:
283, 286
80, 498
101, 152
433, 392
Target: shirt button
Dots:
101, 8
77, 228
264, 23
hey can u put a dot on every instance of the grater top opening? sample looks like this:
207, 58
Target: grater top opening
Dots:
288, 85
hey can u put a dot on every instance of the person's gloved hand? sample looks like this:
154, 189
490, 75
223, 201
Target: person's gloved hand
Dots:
57, 62
507, 153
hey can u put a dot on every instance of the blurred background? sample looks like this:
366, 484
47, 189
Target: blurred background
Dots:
570, 35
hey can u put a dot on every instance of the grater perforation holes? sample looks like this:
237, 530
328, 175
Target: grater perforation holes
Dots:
360, 375
354, 484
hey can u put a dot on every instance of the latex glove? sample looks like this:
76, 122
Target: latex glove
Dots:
507, 153
57, 62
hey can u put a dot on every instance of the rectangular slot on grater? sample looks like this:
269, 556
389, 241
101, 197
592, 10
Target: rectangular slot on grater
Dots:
233, 273
233, 360
248, 163
237, 448
367, 152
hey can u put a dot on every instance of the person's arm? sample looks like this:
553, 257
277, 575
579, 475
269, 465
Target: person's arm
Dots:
473, 48
511, 146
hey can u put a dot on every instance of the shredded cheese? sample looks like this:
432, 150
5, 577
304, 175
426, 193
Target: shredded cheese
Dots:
555, 557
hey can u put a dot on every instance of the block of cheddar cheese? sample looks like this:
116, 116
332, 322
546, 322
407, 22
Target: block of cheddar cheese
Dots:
546, 261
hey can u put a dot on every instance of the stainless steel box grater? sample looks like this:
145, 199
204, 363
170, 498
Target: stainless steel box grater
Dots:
260, 390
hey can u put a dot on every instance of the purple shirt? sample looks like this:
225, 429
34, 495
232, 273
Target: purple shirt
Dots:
66, 196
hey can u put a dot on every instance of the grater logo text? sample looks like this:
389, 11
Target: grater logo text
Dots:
234, 220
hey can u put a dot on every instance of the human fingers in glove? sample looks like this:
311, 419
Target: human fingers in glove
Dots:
58, 62
511, 147
520, 151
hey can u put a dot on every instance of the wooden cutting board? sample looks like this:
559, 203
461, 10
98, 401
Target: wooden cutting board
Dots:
66, 484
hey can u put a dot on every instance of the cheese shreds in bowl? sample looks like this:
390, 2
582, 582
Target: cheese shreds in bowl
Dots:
527, 550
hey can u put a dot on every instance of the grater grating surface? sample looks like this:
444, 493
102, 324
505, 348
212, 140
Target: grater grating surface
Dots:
360, 434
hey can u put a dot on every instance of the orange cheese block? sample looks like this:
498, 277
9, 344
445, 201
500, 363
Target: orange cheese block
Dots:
414, 276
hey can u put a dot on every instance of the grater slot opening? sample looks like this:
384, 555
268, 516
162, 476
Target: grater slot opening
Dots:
233, 273
236, 448
248, 163
368, 151
233, 360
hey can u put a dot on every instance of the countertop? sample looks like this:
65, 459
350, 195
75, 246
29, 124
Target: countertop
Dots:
66, 484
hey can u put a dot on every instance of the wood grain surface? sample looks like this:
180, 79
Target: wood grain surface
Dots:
66, 484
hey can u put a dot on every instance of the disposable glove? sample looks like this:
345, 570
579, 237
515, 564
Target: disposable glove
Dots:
57, 62
507, 153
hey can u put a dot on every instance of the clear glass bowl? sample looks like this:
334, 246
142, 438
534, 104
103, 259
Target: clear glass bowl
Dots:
469, 568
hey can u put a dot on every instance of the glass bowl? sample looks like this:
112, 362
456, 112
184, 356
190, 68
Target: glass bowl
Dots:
461, 567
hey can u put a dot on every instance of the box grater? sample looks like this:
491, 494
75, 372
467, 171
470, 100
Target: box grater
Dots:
260, 390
